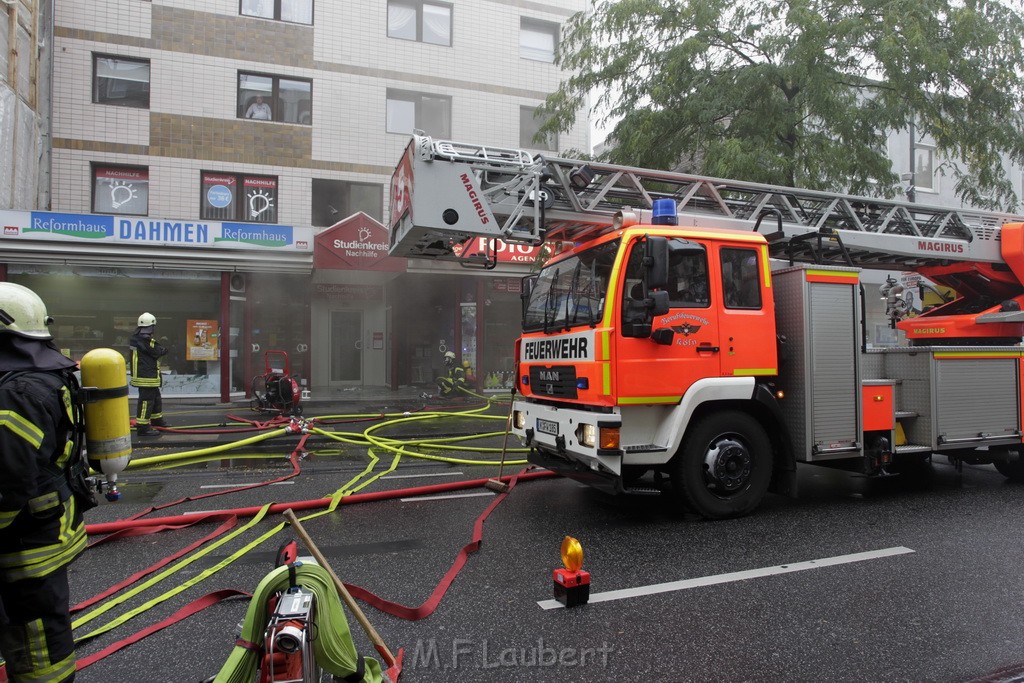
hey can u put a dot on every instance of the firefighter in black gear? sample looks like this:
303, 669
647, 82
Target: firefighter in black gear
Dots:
146, 353
450, 383
43, 492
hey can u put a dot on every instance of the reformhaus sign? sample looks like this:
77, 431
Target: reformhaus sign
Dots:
95, 228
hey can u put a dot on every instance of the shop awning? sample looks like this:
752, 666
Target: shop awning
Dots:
56, 253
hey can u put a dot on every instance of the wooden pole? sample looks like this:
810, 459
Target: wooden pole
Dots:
349, 601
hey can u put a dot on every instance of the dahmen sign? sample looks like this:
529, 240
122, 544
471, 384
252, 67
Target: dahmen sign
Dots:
356, 243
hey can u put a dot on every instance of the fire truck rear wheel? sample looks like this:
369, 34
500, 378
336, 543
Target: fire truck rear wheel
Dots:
1012, 468
724, 465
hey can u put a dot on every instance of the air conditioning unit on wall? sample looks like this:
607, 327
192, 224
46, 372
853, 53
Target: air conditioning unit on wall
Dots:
237, 283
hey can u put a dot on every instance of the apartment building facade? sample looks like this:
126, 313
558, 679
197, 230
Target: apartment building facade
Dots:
225, 165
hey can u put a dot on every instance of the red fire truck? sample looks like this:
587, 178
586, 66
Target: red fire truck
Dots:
705, 336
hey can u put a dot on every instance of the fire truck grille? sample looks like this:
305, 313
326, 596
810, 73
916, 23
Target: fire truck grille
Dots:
558, 381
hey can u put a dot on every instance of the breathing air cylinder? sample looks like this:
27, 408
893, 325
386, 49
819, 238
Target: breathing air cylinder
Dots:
108, 438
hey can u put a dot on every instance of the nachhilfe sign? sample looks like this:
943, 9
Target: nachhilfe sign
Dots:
573, 347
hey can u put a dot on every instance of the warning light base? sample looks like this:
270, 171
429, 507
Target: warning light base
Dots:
571, 588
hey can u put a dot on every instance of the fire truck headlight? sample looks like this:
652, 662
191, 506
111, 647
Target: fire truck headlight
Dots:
587, 434
518, 419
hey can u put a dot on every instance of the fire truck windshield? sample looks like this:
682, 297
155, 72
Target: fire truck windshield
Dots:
571, 292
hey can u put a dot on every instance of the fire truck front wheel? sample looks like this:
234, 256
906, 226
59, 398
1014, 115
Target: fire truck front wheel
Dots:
723, 466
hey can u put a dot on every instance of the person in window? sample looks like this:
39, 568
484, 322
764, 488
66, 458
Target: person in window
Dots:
259, 110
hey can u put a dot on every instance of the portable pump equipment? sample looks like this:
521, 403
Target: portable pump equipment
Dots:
712, 331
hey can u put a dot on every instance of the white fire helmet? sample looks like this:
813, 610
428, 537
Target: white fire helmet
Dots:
22, 312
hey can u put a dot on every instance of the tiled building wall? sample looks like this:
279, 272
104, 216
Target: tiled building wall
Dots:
196, 49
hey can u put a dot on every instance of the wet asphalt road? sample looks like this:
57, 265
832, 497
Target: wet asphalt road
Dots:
947, 607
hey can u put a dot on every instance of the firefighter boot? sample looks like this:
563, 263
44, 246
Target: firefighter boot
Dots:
146, 430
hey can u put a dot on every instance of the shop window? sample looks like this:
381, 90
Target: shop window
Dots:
538, 39
741, 282
335, 200
425, 22
238, 197
294, 11
408, 111
264, 97
121, 190
120, 81
529, 126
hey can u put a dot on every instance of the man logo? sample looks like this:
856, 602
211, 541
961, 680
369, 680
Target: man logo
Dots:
686, 329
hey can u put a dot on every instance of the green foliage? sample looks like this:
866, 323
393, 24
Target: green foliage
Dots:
802, 92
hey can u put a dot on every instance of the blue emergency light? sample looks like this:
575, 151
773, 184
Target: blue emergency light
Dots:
664, 212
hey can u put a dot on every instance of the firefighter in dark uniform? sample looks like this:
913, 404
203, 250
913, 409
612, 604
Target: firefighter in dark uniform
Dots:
43, 492
145, 368
450, 383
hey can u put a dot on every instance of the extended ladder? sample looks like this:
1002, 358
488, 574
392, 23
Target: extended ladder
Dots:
445, 193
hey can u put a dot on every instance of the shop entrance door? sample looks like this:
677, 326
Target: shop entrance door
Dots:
346, 340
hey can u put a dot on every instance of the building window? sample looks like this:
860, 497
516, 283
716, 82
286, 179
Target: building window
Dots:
238, 197
120, 81
408, 111
529, 126
426, 22
295, 11
924, 168
274, 98
538, 40
122, 190
336, 200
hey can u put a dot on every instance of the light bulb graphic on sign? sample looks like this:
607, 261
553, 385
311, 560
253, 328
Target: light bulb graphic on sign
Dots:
259, 202
121, 193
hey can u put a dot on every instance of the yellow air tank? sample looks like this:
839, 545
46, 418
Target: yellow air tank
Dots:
108, 440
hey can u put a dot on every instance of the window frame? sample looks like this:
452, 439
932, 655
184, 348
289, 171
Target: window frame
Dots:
552, 145
418, 7
239, 198
919, 148
278, 11
539, 26
347, 187
96, 166
416, 97
96, 57
275, 97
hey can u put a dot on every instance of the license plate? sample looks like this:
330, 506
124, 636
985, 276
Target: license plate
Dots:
547, 427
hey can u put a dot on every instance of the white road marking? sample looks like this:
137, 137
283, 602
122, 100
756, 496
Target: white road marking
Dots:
686, 584
250, 483
454, 495
414, 476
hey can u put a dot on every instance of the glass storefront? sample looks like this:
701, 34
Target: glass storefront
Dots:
279, 323
99, 307
502, 317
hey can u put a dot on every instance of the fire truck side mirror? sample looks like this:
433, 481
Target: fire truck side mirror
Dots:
659, 302
656, 261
